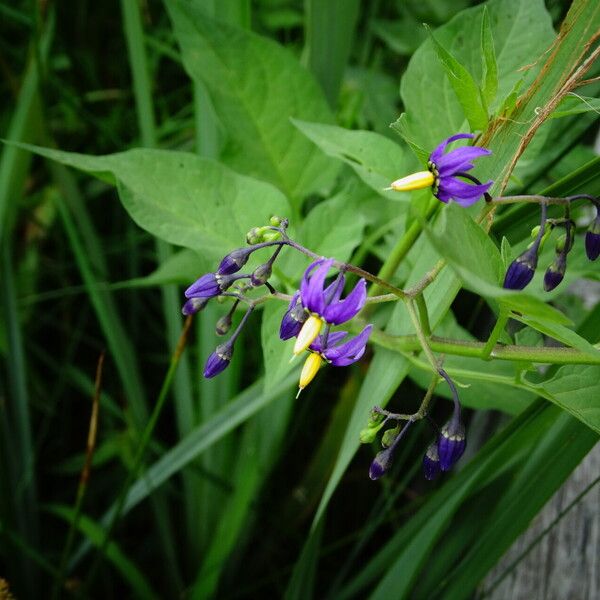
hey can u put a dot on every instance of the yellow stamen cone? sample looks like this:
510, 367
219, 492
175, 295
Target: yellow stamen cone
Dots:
416, 181
308, 334
309, 370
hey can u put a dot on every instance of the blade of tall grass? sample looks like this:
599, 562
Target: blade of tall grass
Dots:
329, 32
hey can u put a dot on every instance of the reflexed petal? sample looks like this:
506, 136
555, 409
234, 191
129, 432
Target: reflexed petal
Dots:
340, 312
334, 337
459, 160
463, 193
311, 288
334, 290
349, 352
439, 151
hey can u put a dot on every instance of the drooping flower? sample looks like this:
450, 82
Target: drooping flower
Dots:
521, 270
443, 173
334, 351
324, 304
194, 305
219, 360
451, 442
235, 260
592, 238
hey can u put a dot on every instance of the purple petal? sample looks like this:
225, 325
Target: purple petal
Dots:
463, 193
311, 288
334, 290
334, 337
459, 160
340, 312
439, 151
349, 352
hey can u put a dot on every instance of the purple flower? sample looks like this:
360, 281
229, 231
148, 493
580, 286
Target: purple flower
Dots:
521, 270
326, 303
293, 319
219, 360
381, 464
444, 173
431, 461
342, 354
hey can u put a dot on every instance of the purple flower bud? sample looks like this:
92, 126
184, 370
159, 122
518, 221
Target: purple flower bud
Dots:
219, 360
555, 272
451, 442
210, 285
431, 462
592, 239
520, 272
261, 274
381, 464
293, 319
234, 261
194, 305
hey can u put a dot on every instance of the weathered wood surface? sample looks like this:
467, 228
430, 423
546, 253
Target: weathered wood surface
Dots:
565, 565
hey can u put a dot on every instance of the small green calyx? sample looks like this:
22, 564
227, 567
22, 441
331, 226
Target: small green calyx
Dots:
388, 437
369, 433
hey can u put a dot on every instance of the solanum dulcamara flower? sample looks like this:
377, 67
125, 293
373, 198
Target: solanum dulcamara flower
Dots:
313, 310
443, 172
323, 305
333, 350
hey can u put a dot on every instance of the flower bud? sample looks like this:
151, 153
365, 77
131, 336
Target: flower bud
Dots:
555, 272
369, 433
592, 239
261, 274
254, 236
276, 221
381, 464
389, 435
223, 324
210, 285
451, 443
219, 360
431, 462
520, 272
561, 244
234, 261
194, 305
292, 322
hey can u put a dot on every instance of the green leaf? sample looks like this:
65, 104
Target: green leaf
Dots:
464, 86
576, 389
489, 86
522, 30
376, 160
256, 86
183, 198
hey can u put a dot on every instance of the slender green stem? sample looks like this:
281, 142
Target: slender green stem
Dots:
139, 456
495, 334
538, 199
423, 314
410, 306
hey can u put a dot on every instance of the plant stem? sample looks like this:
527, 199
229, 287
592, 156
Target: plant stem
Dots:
410, 306
495, 334
423, 314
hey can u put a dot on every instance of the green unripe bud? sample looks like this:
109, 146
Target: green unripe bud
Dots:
271, 236
223, 324
276, 221
389, 436
562, 242
368, 435
254, 236
535, 231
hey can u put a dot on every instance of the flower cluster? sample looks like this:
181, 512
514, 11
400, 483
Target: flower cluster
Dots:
521, 271
313, 310
441, 455
445, 172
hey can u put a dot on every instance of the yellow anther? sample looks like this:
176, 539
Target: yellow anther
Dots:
416, 181
308, 334
309, 370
